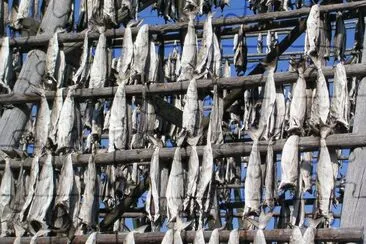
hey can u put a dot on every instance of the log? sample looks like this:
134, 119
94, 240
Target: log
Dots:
250, 81
162, 29
123, 157
279, 235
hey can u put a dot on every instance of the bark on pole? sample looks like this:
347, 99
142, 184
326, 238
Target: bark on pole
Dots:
13, 120
353, 210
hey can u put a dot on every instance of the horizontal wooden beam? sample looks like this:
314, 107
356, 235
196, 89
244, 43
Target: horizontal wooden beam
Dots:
243, 82
40, 40
309, 143
280, 235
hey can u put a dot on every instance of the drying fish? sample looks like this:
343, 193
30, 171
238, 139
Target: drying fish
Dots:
215, 237
222, 3
154, 64
107, 118
227, 69
240, 52
280, 112
269, 182
253, 182
99, 68
109, 11
192, 178
42, 124
191, 110
325, 36
359, 31
308, 238
325, 180
152, 198
39, 233
127, 55
340, 37
89, 205
261, 224
150, 124
206, 47
6, 67
63, 194
23, 12
88, 114
140, 53
216, 115
268, 103
339, 107
97, 120
234, 237
312, 31
83, 70
320, 104
199, 237
168, 237
189, 53
175, 188
289, 163
216, 66
6, 190
298, 102
306, 170
92, 238
52, 60
260, 43
118, 120
192, 5
66, 121
43, 197
75, 200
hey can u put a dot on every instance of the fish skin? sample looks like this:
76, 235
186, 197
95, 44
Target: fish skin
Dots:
168, 237
216, 115
280, 112
339, 108
199, 237
118, 121
191, 109
325, 36
309, 234
233, 237
312, 30
215, 237
152, 199
42, 124
75, 200
109, 11
66, 121
340, 38
270, 177
99, 69
359, 32
175, 188
52, 60
240, 52
298, 102
92, 238
216, 66
253, 182
206, 46
189, 54
259, 237
289, 163
154, 64
97, 119
6, 67
43, 196
107, 117
306, 170
23, 12
192, 180
81, 74
127, 54
140, 53
7, 189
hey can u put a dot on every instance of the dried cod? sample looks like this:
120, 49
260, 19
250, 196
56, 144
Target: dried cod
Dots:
325, 36
306, 171
42, 124
153, 63
240, 52
234, 237
191, 110
215, 237
308, 238
217, 111
206, 47
140, 54
127, 55
199, 237
280, 112
339, 108
99, 68
261, 225
152, 198
269, 181
312, 31
289, 163
82, 73
7, 192
340, 37
216, 65
109, 11
23, 12
6, 66
52, 60
43, 196
97, 119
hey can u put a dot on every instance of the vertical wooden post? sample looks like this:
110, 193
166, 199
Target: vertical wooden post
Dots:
354, 202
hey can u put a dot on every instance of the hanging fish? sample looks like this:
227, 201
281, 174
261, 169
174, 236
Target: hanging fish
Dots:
253, 182
75, 200
191, 110
216, 66
6, 67
175, 188
269, 182
240, 52
109, 11
81, 74
206, 47
261, 225
97, 119
7, 191
339, 108
92, 238
43, 196
222, 4
63, 194
359, 31
99, 68
215, 237
312, 31
192, 5
89, 205
189, 53
306, 170
199, 238
154, 64
52, 60
140, 54
66, 121
217, 111
298, 102
325, 36
126, 58
340, 37
308, 238
23, 13
280, 112
42, 124
260, 43
152, 198
234, 237
289, 163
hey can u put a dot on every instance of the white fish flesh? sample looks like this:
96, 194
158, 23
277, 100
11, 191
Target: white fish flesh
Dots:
42, 124
340, 37
152, 199
43, 197
64, 191
234, 237
127, 54
99, 68
192, 179
253, 182
216, 66
6, 66
52, 60
89, 205
55, 115
290, 163
199, 238
23, 12
81, 74
66, 121
217, 111
141, 52
339, 108
206, 46
191, 109
312, 30
306, 171
298, 102
154, 64
269, 181
189, 53
118, 120
175, 188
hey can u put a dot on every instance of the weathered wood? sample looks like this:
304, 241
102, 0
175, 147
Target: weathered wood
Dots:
331, 234
224, 150
181, 87
161, 29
